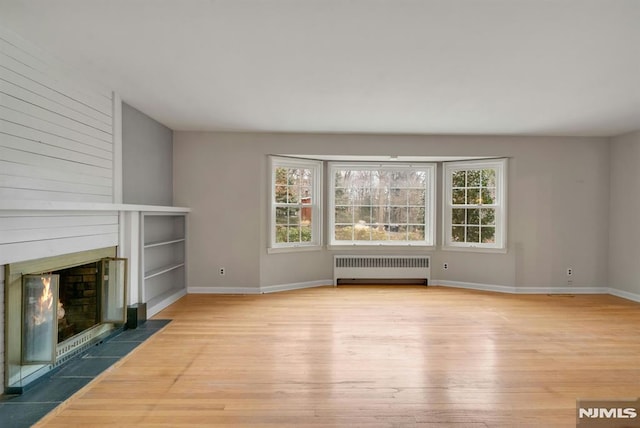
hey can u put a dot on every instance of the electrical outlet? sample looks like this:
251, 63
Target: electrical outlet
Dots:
222, 271
445, 266
569, 271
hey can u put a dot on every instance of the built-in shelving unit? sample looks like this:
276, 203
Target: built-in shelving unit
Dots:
163, 259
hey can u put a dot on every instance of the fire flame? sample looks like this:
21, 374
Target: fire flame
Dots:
45, 303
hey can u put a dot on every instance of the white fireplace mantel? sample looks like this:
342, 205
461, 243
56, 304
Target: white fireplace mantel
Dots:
85, 206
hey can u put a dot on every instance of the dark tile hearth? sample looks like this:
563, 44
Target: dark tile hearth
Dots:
20, 411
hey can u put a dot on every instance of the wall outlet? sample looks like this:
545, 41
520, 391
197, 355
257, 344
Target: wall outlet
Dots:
569, 271
445, 266
222, 271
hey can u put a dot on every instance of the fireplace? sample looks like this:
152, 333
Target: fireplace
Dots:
58, 306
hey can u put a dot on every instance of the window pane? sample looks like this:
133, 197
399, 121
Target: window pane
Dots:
379, 232
363, 215
416, 197
293, 176
488, 216
306, 177
342, 197
339, 179
362, 197
488, 178
398, 215
281, 234
305, 216
294, 234
281, 194
344, 215
305, 234
281, 176
457, 234
397, 232
458, 197
380, 215
292, 194
305, 195
416, 233
488, 235
416, 215
473, 234
473, 196
294, 215
343, 233
458, 216
281, 215
473, 178
473, 216
398, 197
458, 179
362, 232
489, 196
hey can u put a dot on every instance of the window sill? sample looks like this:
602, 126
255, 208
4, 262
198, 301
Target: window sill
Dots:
475, 249
361, 247
294, 249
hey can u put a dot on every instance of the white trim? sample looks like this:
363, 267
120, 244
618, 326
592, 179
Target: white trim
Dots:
501, 167
294, 249
30, 205
117, 150
624, 294
296, 286
473, 286
429, 207
164, 302
316, 206
520, 290
223, 290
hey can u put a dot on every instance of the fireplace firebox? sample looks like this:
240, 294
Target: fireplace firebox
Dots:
66, 303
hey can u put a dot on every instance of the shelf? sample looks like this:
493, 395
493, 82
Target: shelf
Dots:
162, 270
161, 243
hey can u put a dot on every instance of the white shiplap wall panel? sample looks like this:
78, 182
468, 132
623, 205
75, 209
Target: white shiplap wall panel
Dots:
58, 98
45, 234
37, 65
42, 220
38, 147
30, 121
28, 183
2, 329
45, 115
28, 95
56, 145
39, 161
10, 253
24, 170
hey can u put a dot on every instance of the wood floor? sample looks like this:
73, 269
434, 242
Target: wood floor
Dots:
370, 356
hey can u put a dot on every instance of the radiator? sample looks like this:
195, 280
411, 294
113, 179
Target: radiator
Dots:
381, 267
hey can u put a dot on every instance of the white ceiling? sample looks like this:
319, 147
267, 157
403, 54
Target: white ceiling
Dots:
527, 67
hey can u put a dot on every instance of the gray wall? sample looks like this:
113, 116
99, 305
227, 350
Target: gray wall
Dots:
558, 207
147, 152
624, 257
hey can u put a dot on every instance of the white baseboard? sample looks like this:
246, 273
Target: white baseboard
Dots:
435, 282
159, 303
522, 290
625, 294
223, 290
473, 286
295, 286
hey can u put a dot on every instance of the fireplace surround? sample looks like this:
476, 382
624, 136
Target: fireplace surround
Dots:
58, 306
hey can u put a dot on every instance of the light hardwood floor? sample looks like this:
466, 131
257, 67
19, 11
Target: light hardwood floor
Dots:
370, 356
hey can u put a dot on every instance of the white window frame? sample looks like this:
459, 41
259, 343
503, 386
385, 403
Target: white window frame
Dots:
316, 205
500, 205
430, 203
